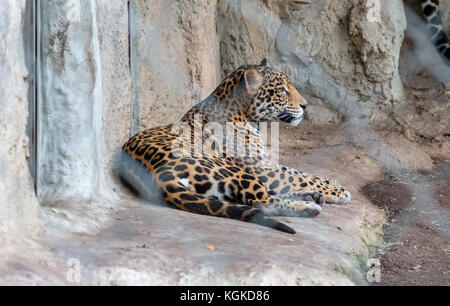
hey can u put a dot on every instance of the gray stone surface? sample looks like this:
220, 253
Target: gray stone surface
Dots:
18, 204
112, 19
175, 59
70, 108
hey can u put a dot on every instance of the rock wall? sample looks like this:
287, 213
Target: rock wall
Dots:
112, 22
175, 58
331, 50
17, 200
110, 69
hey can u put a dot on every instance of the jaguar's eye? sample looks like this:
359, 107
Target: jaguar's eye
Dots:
284, 90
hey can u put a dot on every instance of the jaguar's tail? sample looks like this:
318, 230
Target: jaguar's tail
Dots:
182, 198
431, 13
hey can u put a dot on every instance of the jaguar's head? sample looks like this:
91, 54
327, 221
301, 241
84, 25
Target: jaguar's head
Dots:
273, 95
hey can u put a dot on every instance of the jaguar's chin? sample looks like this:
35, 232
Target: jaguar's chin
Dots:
293, 119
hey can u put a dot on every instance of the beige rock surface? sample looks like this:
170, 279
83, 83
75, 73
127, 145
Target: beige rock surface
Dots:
175, 59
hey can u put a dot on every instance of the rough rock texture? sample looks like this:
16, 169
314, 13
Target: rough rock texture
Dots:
70, 112
18, 203
329, 48
112, 20
175, 58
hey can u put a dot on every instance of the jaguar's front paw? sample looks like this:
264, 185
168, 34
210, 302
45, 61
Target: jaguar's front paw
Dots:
340, 197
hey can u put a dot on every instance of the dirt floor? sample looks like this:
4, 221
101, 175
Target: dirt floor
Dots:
416, 248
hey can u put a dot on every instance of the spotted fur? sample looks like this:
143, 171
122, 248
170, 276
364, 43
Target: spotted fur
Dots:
241, 183
431, 13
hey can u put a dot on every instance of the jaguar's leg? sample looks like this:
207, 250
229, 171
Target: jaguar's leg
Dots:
286, 182
247, 189
229, 182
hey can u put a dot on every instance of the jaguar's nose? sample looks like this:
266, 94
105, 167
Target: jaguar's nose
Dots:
304, 106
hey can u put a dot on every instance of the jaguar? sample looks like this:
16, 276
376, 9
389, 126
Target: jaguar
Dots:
189, 166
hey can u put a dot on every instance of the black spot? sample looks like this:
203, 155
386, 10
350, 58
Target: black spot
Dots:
161, 163
447, 53
249, 196
202, 188
245, 184
188, 160
263, 179
133, 145
171, 204
215, 205
303, 185
248, 177
189, 197
180, 168
259, 195
141, 149
200, 178
225, 172
166, 176
429, 10
173, 189
217, 176
183, 175
172, 156
441, 39
162, 169
197, 207
285, 189
222, 187
199, 169
234, 169
157, 158
275, 184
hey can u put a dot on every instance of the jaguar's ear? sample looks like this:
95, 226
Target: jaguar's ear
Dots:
253, 80
264, 62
